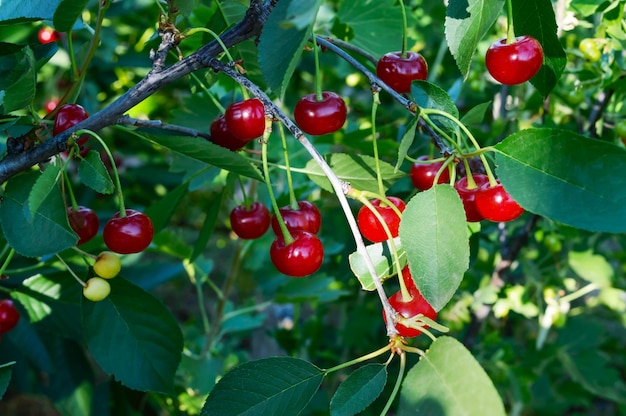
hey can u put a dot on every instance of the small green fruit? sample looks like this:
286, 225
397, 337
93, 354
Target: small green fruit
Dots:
107, 265
96, 289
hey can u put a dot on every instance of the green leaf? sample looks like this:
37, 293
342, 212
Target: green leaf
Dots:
536, 18
44, 186
209, 153
433, 231
370, 22
94, 174
67, 13
25, 234
17, 80
162, 210
476, 115
566, 177
358, 170
449, 381
148, 338
28, 9
5, 376
384, 265
359, 390
466, 23
429, 95
406, 142
591, 267
271, 386
282, 40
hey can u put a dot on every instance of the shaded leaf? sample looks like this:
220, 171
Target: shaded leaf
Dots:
449, 381
67, 13
406, 142
271, 386
433, 231
382, 259
555, 173
28, 9
5, 376
148, 338
44, 185
359, 390
429, 95
94, 174
162, 210
17, 80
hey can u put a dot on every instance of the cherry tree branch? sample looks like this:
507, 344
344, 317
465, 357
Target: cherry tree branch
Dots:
158, 124
21, 159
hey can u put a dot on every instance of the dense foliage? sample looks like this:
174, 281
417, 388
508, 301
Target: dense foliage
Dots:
173, 243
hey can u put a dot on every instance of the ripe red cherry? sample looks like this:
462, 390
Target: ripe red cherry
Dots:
399, 72
130, 234
495, 203
68, 116
84, 222
50, 105
9, 316
246, 119
222, 136
47, 35
302, 257
320, 117
250, 222
306, 218
423, 174
468, 196
413, 307
515, 62
369, 225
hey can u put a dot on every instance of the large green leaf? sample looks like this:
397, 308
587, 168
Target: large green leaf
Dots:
566, 177
467, 21
359, 390
133, 336
267, 387
47, 232
67, 13
433, 231
94, 174
45, 185
282, 40
381, 256
5, 376
28, 9
375, 24
17, 80
358, 170
207, 152
448, 381
536, 18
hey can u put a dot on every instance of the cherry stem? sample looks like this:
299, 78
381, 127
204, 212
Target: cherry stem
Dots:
246, 200
397, 385
471, 183
281, 222
6, 262
379, 176
318, 70
70, 191
365, 357
116, 176
70, 50
84, 253
446, 165
293, 201
69, 269
510, 31
404, 30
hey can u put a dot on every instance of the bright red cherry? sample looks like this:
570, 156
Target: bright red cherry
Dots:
50, 105
9, 316
423, 174
68, 116
411, 307
306, 218
399, 72
84, 222
320, 117
514, 63
47, 35
468, 196
130, 234
222, 136
302, 257
250, 222
495, 203
369, 225
246, 119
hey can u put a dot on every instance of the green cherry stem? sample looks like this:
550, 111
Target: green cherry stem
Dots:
70, 192
404, 29
471, 183
69, 269
510, 31
365, 357
116, 176
246, 200
397, 385
379, 176
266, 172
318, 70
293, 202
6, 262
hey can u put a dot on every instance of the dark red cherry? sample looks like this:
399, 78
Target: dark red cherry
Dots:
246, 119
302, 257
84, 222
320, 117
222, 136
369, 225
250, 222
468, 196
9, 316
68, 116
130, 234
423, 174
399, 72
495, 203
306, 218
514, 63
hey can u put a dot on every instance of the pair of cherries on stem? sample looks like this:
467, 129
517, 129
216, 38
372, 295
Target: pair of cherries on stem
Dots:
484, 201
241, 123
106, 267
